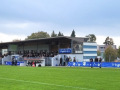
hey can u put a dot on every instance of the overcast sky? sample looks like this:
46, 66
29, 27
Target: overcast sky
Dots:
20, 18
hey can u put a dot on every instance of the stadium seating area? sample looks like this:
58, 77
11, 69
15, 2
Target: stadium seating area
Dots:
38, 54
26, 53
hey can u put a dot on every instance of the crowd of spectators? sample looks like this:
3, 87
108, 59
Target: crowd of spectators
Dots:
27, 53
31, 63
2, 56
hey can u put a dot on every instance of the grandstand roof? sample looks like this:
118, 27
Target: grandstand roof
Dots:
78, 39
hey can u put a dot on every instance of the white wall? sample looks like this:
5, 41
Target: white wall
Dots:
79, 57
4, 51
43, 62
55, 60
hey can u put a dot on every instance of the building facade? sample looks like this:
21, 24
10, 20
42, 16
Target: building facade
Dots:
89, 51
73, 47
102, 48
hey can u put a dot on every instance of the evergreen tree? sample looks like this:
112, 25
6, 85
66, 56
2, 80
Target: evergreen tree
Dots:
53, 34
60, 34
73, 33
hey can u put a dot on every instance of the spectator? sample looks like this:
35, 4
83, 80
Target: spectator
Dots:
64, 61
67, 60
33, 63
74, 60
61, 61
100, 64
15, 62
91, 63
96, 59
70, 59
12, 62
39, 65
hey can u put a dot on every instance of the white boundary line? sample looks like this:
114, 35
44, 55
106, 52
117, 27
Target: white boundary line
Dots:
47, 84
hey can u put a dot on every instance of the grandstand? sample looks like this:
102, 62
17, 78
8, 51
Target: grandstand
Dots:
48, 51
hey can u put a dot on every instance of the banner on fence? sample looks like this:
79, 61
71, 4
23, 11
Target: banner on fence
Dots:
10, 63
95, 64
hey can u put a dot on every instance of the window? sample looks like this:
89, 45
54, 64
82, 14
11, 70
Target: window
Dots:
87, 46
90, 52
88, 57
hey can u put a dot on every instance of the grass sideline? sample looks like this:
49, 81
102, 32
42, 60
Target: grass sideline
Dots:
59, 78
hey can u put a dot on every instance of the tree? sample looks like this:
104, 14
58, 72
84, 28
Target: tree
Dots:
53, 34
37, 35
110, 54
73, 33
92, 37
118, 52
98, 53
60, 34
108, 41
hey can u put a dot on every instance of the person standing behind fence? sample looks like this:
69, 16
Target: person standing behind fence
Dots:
15, 62
61, 61
96, 59
12, 62
30, 62
70, 59
64, 61
33, 63
100, 62
67, 60
91, 63
74, 60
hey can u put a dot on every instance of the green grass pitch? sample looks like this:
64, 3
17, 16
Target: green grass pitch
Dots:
59, 78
